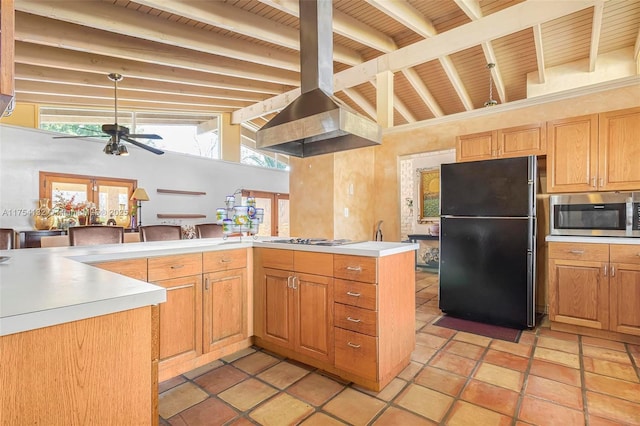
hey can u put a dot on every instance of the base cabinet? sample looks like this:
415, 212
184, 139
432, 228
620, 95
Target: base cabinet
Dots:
353, 316
596, 286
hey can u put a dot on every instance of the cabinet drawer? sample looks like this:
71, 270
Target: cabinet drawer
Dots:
213, 261
579, 251
355, 319
357, 268
355, 294
356, 353
275, 258
313, 263
622, 253
181, 265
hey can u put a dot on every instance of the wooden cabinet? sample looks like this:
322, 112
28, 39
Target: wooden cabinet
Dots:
181, 315
625, 288
597, 152
596, 286
297, 302
225, 304
350, 315
7, 49
517, 141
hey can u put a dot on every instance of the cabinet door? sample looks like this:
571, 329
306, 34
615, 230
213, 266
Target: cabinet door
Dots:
579, 293
278, 307
625, 298
619, 150
314, 316
224, 308
572, 154
522, 141
181, 319
477, 146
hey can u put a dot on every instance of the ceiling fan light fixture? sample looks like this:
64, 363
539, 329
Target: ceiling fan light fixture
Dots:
108, 149
491, 102
122, 150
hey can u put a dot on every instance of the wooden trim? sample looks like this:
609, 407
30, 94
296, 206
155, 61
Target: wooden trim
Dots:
180, 216
602, 334
177, 191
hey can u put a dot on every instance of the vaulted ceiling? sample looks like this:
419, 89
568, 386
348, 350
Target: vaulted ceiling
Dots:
242, 56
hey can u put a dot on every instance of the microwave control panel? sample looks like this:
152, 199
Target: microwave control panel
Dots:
636, 216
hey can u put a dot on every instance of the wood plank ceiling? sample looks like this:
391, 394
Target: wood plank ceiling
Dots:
241, 56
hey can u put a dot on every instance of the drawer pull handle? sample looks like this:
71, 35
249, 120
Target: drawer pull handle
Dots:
353, 345
576, 251
354, 268
353, 294
225, 260
353, 319
177, 266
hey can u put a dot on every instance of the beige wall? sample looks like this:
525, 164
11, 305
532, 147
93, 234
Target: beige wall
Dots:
382, 194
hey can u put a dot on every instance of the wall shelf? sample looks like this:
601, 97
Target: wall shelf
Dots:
180, 192
180, 216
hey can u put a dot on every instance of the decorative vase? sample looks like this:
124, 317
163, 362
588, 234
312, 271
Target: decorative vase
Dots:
122, 218
43, 220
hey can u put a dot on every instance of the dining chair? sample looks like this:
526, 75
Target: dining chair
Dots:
209, 230
160, 232
92, 235
132, 237
7, 238
54, 241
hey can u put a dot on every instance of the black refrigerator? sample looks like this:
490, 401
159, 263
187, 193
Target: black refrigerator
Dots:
488, 240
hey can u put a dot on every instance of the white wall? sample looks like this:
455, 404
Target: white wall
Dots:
24, 152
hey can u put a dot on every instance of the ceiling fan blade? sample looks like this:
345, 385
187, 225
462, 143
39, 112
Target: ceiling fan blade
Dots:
77, 136
141, 145
145, 136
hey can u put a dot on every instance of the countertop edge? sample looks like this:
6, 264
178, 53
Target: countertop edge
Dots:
592, 240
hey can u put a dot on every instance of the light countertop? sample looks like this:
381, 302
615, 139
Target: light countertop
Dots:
49, 286
593, 240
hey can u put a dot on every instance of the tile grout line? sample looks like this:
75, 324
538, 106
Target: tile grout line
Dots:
525, 381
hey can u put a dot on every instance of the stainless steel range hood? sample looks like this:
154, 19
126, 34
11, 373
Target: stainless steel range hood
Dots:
317, 122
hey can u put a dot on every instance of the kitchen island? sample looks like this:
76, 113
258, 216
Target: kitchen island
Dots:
78, 344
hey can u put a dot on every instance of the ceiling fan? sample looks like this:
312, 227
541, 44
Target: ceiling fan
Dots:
118, 133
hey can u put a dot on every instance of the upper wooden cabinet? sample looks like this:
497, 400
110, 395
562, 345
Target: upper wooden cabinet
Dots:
7, 30
517, 141
597, 152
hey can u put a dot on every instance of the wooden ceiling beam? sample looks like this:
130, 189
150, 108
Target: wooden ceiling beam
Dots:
231, 18
49, 32
46, 56
132, 23
72, 101
537, 38
507, 21
84, 91
344, 25
416, 82
473, 10
361, 101
55, 75
596, 27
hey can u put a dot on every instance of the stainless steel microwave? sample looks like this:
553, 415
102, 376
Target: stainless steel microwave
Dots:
606, 214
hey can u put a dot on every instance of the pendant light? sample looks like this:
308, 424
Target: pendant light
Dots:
491, 102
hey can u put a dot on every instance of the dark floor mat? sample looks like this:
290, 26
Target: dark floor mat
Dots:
487, 330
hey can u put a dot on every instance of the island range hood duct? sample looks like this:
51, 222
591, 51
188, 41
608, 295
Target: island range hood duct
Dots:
316, 122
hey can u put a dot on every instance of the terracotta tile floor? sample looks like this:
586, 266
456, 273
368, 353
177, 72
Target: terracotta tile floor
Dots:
455, 378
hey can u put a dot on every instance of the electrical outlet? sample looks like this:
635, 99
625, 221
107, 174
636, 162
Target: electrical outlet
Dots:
346, 212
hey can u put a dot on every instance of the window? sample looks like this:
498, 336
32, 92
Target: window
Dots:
104, 199
276, 212
257, 158
187, 133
